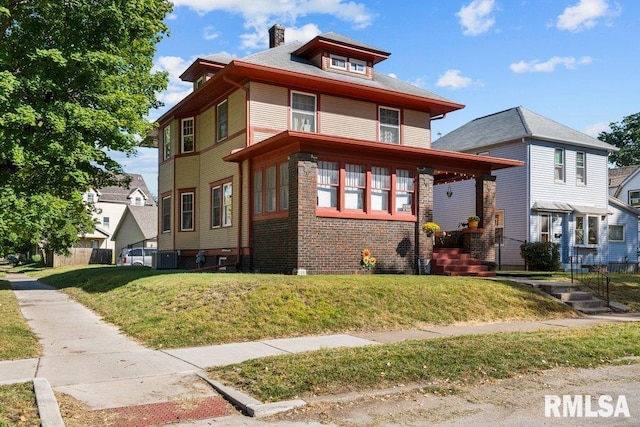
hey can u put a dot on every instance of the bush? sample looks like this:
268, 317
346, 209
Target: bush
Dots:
541, 256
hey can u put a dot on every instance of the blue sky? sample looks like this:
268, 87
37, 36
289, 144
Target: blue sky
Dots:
572, 61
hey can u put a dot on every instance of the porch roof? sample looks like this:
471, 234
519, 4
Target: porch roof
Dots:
554, 206
449, 166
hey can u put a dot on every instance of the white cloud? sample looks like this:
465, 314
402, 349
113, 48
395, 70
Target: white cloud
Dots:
585, 15
209, 33
549, 66
303, 34
393, 75
171, 17
259, 15
595, 129
476, 18
453, 79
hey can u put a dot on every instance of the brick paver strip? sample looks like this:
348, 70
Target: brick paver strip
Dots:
157, 414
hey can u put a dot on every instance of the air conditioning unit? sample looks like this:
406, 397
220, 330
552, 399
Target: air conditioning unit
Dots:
165, 260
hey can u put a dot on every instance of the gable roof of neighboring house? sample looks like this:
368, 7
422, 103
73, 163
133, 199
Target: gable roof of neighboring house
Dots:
619, 176
613, 201
146, 217
115, 194
512, 125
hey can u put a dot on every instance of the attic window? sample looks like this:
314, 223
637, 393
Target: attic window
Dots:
339, 62
357, 66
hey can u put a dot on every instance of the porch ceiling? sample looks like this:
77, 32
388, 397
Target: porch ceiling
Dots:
448, 166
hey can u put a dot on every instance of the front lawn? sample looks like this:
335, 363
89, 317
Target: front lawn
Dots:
439, 365
169, 309
18, 405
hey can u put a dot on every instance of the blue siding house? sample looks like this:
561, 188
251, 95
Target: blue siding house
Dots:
560, 195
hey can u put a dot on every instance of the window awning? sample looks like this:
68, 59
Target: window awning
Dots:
543, 206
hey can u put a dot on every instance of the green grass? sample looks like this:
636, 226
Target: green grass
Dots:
17, 341
18, 405
182, 309
625, 288
441, 363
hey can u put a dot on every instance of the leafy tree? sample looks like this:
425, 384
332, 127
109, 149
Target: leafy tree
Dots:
626, 136
76, 80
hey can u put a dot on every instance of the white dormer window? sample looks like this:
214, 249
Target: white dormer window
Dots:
137, 201
357, 66
339, 62
90, 198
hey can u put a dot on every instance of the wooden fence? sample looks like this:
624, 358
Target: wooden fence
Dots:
80, 256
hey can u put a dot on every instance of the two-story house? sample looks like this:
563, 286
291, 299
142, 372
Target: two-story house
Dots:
296, 158
560, 196
624, 188
110, 205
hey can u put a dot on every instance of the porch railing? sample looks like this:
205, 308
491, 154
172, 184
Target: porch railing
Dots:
594, 277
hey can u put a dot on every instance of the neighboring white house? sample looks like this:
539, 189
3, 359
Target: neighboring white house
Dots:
111, 204
560, 195
138, 228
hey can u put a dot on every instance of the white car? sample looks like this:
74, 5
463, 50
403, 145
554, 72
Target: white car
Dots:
136, 256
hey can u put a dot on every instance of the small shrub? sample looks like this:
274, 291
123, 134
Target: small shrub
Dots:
541, 256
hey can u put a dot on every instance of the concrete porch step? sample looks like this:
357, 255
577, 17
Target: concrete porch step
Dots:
588, 303
573, 296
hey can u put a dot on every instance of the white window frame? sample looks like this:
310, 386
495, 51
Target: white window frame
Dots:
624, 232
343, 59
405, 190
166, 214
91, 197
185, 137
634, 197
385, 128
184, 211
588, 239
284, 186
581, 169
559, 167
106, 222
227, 204
355, 186
216, 206
380, 188
270, 189
257, 192
222, 126
328, 184
297, 115
354, 65
166, 142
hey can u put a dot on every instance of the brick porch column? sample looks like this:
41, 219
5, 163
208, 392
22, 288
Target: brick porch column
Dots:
303, 172
424, 213
486, 209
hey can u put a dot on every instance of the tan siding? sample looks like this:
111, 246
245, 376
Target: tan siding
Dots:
187, 172
214, 169
237, 112
269, 106
128, 233
205, 129
261, 136
348, 118
416, 129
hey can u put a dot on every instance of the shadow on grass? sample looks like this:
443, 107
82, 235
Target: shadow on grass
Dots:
99, 279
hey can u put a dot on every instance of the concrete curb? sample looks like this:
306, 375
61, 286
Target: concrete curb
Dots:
47, 404
247, 404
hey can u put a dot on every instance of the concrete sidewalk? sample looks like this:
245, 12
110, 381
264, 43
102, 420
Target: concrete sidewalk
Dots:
93, 362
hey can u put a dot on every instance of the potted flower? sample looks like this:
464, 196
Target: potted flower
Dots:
473, 221
430, 228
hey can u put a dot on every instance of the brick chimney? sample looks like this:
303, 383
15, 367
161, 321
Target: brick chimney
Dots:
276, 35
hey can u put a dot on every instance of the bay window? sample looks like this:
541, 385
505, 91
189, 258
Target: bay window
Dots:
587, 230
328, 180
380, 188
271, 189
354, 187
284, 186
404, 191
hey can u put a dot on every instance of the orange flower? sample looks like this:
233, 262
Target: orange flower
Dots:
366, 253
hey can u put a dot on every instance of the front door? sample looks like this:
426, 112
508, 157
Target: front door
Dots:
552, 229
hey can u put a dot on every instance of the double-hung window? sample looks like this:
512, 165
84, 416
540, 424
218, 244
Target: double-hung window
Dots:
339, 62
166, 214
616, 233
634, 198
222, 121
303, 112
227, 200
328, 181
586, 230
216, 207
404, 191
581, 168
186, 211
257, 192
357, 66
166, 142
389, 125
105, 222
270, 196
355, 184
380, 188
558, 164
188, 135
284, 186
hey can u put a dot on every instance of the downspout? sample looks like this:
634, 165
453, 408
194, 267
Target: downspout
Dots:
240, 175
